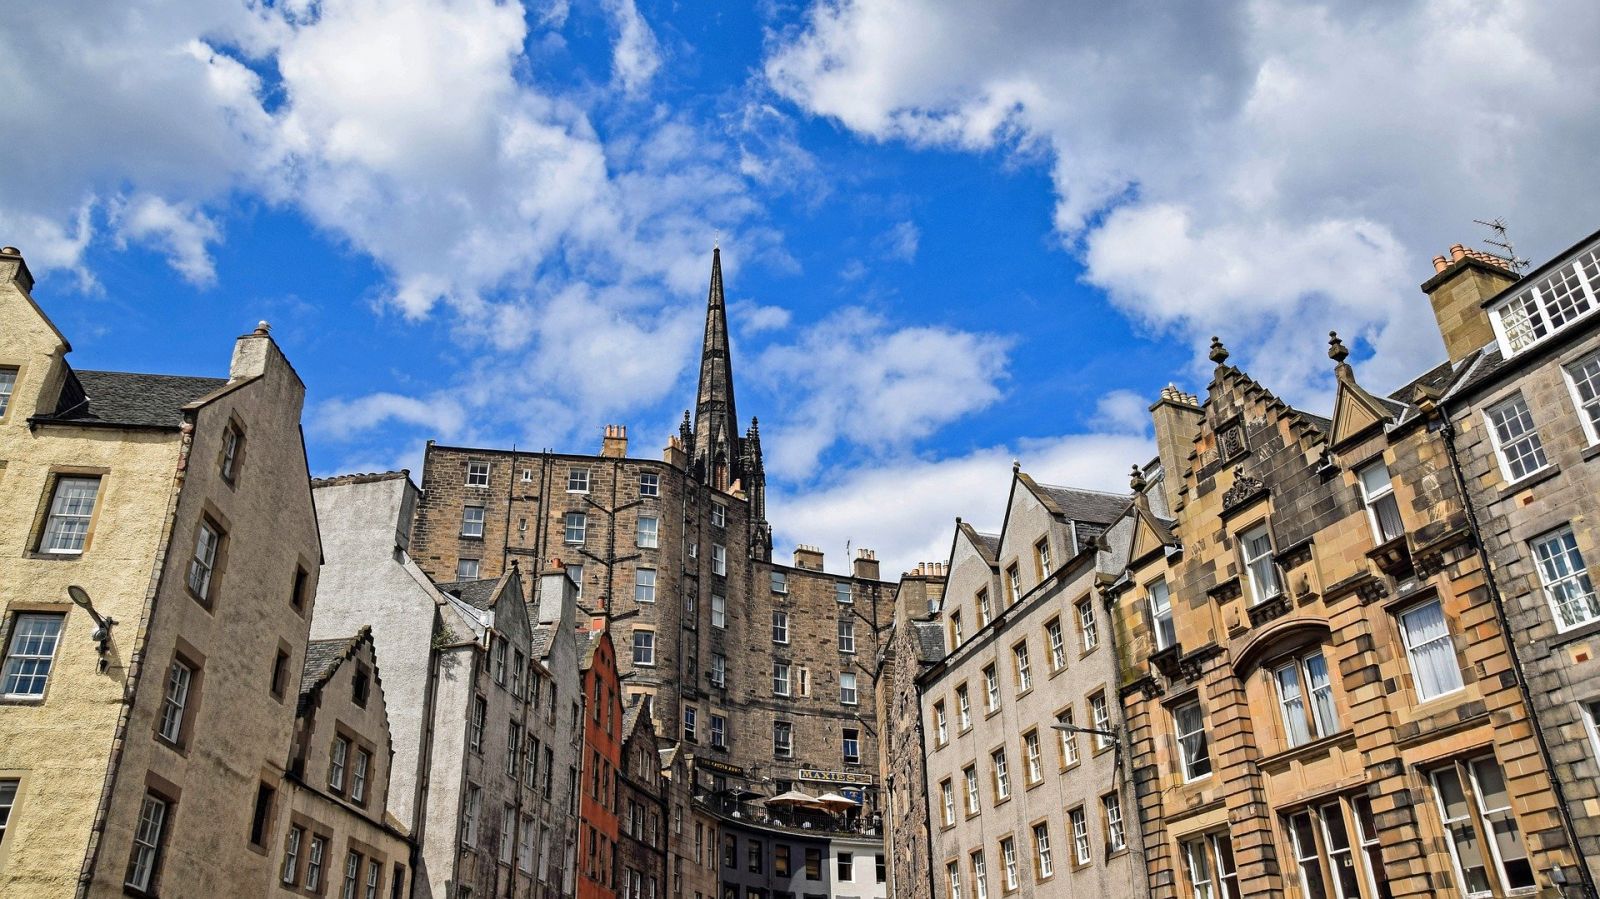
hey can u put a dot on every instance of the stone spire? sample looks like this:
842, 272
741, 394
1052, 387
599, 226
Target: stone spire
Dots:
717, 457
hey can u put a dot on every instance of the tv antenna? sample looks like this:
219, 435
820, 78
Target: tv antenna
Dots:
1502, 241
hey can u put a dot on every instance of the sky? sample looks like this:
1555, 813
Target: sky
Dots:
954, 235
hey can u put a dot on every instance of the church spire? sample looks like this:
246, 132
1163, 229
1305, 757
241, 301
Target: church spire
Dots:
718, 457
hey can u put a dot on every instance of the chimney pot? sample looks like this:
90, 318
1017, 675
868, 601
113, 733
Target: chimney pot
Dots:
1458, 252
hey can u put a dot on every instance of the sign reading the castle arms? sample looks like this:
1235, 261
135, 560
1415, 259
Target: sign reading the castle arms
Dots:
836, 777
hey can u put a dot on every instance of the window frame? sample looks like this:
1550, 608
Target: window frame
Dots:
1055, 637
179, 707
1371, 499
649, 483
648, 644
644, 593
1524, 416
1088, 626
847, 635
1248, 562
1022, 665
1186, 763
1165, 637
58, 514
647, 538
578, 479
780, 627
1588, 410
475, 477
853, 695
1401, 616
146, 850
1578, 573
575, 522
12, 659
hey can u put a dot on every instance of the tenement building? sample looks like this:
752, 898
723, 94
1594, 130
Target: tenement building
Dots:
1320, 697
762, 668
157, 574
1026, 775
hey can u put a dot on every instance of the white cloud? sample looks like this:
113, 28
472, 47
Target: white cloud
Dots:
1269, 167
854, 377
1122, 412
900, 242
905, 508
182, 231
635, 56
340, 419
751, 318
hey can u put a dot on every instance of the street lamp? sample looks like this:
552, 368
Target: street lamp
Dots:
1062, 725
102, 623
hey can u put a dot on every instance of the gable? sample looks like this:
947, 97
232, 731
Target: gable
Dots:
1355, 412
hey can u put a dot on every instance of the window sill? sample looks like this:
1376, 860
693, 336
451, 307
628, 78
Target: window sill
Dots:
477, 537
991, 713
1529, 480
1576, 633
1024, 692
1590, 453
1033, 786
59, 557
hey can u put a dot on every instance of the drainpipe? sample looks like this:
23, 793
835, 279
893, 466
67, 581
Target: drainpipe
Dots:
1447, 429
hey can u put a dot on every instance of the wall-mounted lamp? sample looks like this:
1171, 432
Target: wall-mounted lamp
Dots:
102, 623
1075, 729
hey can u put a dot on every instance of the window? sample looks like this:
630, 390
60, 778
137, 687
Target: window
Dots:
1087, 630
851, 741
842, 593
947, 796
577, 524
1034, 769
477, 474
314, 862
782, 739
467, 569
753, 851
8, 383
1058, 644
719, 559
147, 834
1256, 544
1002, 777
813, 864
1550, 305
953, 875
1008, 854
469, 816
985, 609
1515, 440
1209, 863
1302, 724
1116, 833
1068, 739
1041, 557
649, 532
688, 723
719, 515
352, 875
1430, 649
71, 509
1161, 615
847, 688
1100, 719
302, 579
1024, 672
34, 636
649, 484
780, 582
847, 635
991, 688
980, 875
497, 652
780, 626
780, 678
644, 648
1080, 835
204, 563
232, 441
1042, 865
508, 831
280, 673
1194, 755
719, 670
1567, 586
518, 665
644, 585
338, 758
472, 521
964, 706
1303, 840
179, 677
575, 574
719, 732
970, 776
1476, 810
1383, 510
941, 724
847, 866
260, 819
956, 635
1372, 852
1583, 377
291, 855
577, 480
480, 712
1340, 856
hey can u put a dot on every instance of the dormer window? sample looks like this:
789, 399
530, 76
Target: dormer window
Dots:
1041, 556
1550, 305
1383, 510
1013, 585
1161, 615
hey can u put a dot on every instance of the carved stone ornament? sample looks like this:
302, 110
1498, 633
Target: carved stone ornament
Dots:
1244, 487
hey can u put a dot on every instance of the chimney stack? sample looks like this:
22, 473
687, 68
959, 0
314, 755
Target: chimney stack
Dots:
866, 565
1460, 286
14, 269
808, 557
1177, 418
615, 444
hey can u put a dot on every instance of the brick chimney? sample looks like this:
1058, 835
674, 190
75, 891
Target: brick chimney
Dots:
1177, 418
14, 270
808, 557
614, 445
866, 565
1462, 284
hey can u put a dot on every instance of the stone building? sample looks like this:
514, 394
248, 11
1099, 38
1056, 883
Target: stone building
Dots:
1018, 806
432, 642
642, 807
1524, 424
915, 643
1319, 696
335, 836
599, 826
692, 839
760, 667
147, 713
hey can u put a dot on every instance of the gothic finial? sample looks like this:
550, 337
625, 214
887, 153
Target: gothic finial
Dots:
1136, 479
1337, 351
1016, 465
1219, 353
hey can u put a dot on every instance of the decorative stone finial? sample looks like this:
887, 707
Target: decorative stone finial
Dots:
262, 327
1136, 479
1219, 353
1337, 351
1016, 465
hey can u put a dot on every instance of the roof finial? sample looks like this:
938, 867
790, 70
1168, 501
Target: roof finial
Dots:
1337, 351
1136, 479
1016, 465
716, 240
1219, 353
262, 327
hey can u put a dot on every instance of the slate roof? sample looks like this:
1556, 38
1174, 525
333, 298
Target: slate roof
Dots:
128, 399
361, 478
477, 593
1095, 506
322, 658
989, 544
540, 638
630, 716
929, 639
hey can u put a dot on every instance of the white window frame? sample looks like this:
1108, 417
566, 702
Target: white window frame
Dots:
1116, 825
1161, 623
1100, 718
468, 569
1258, 591
1032, 757
72, 505
781, 681
1079, 821
780, 627
1517, 407
719, 559
577, 480
1070, 753
779, 581
984, 607
947, 800
1560, 565
472, 525
648, 536
719, 515
1373, 497
980, 874
782, 739
719, 670
941, 723
974, 795
846, 741
1588, 409
1056, 638
1013, 584
1088, 628
1412, 646
647, 644
964, 706
848, 695
847, 635
1041, 851
8, 384
1190, 758
1023, 666
1008, 855
644, 585
203, 565
719, 732
175, 701
1002, 774
30, 653
477, 474
719, 611
991, 687
575, 523
148, 836
649, 483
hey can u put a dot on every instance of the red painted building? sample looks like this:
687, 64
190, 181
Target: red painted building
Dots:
598, 831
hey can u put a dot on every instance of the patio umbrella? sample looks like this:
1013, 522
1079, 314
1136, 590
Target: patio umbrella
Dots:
793, 797
835, 801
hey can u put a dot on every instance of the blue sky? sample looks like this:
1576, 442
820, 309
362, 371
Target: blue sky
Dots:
954, 234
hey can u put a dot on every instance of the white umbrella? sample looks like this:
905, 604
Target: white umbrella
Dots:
834, 799
793, 797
